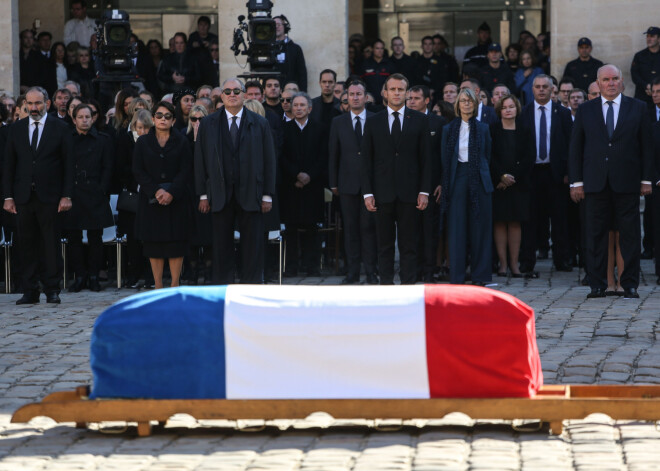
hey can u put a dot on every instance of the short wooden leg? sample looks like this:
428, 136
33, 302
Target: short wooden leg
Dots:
81, 424
556, 427
144, 429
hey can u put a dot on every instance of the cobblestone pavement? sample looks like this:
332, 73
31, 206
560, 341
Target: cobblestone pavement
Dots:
45, 349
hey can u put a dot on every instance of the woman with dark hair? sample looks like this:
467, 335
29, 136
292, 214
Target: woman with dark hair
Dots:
179, 69
513, 157
58, 56
183, 101
94, 163
512, 56
466, 191
70, 106
83, 72
99, 124
124, 99
156, 55
162, 166
524, 76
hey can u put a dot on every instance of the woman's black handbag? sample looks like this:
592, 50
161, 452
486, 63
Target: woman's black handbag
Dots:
127, 201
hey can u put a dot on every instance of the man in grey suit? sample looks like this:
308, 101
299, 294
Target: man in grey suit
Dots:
344, 157
235, 180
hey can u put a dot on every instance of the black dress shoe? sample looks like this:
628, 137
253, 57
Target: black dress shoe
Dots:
77, 285
630, 293
657, 282
646, 255
28, 298
531, 274
585, 281
350, 280
372, 279
94, 284
563, 267
52, 298
596, 293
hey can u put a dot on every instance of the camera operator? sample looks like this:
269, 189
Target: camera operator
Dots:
291, 61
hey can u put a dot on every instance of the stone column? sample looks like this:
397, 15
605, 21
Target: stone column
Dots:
614, 27
9, 47
320, 28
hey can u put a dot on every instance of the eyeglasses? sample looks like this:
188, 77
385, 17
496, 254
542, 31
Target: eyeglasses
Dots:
195, 119
466, 102
286, 100
236, 91
344, 102
166, 116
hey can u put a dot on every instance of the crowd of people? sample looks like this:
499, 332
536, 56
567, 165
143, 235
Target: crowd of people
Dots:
490, 165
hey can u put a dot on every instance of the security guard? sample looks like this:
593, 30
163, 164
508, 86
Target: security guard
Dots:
646, 65
375, 70
584, 69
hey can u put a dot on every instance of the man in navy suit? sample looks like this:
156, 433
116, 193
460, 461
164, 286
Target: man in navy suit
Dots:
345, 158
486, 114
610, 165
551, 125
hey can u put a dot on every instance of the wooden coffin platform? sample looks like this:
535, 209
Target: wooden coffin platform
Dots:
552, 405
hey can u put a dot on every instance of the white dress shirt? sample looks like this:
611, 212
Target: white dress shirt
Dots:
42, 121
537, 124
79, 30
363, 118
302, 126
480, 110
463, 142
239, 115
657, 113
390, 117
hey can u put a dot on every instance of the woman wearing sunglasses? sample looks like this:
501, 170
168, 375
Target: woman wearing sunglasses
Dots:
162, 166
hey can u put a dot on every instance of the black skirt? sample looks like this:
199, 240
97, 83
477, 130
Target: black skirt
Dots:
174, 249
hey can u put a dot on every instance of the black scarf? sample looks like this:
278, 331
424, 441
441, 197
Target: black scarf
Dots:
474, 177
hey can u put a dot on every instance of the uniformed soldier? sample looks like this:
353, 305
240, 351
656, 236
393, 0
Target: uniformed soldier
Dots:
478, 54
497, 72
584, 69
646, 65
403, 63
434, 70
375, 70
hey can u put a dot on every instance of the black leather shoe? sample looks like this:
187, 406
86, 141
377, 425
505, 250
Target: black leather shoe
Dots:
52, 298
28, 298
531, 275
94, 284
563, 267
372, 279
596, 293
630, 293
77, 285
585, 281
657, 282
350, 280
646, 255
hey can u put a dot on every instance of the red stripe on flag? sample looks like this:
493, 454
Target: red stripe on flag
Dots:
480, 343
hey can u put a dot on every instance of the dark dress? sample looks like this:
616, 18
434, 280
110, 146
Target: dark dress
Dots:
513, 152
164, 230
202, 229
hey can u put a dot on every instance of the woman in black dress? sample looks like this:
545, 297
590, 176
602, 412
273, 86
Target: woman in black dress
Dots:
94, 164
511, 168
162, 164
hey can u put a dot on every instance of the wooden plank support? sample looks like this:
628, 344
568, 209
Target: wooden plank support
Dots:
553, 405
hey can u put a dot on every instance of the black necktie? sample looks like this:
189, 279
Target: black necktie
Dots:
358, 129
543, 135
35, 137
233, 131
609, 119
396, 127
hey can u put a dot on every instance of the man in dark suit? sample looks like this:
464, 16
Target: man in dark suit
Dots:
551, 124
485, 114
419, 98
344, 159
235, 180
610, 165
326, 106
396, 179
655, 130
38, 184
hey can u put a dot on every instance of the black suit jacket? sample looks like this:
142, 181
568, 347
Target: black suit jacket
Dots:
317, 110
561, 125
345, 155
257, 161
50, 168
622, 161
436, 123
293, 68
488, 115
396, 170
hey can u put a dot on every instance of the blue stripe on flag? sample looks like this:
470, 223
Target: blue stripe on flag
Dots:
164, 344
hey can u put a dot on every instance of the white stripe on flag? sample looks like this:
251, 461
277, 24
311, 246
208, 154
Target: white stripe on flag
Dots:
316, 342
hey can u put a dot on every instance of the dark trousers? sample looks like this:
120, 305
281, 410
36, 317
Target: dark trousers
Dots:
397, 222
359, 234
39, 234
656, 223
649, 224
81, 265
465, 225
428, 238
599, 209
303, 247
251, 228
548, 199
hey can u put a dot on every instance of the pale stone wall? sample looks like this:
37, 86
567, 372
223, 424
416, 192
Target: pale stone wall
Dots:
615, 28
9, 45
52, 14
320, 28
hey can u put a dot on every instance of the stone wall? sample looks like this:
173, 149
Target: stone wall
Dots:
615, 28
9, 49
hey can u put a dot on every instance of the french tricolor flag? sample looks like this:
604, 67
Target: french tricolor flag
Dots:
316, 342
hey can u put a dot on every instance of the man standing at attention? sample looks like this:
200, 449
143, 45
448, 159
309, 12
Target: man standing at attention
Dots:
396, 179
646, 65
235, 180
610, 165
